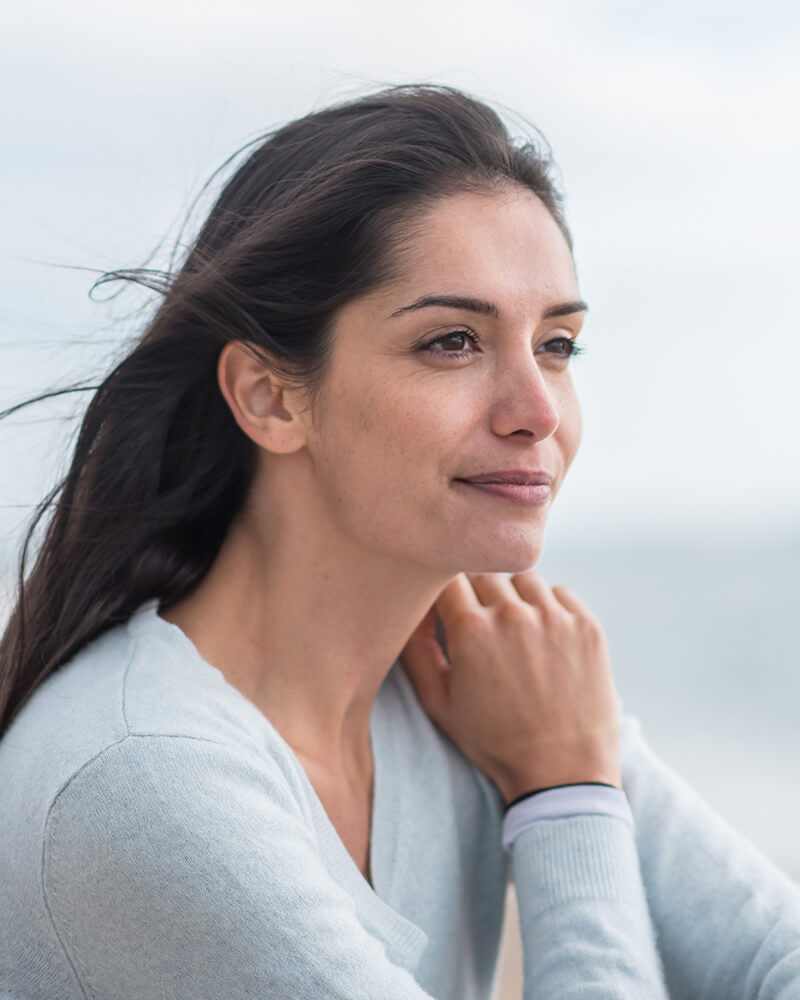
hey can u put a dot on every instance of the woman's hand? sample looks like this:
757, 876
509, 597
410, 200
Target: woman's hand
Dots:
527, 694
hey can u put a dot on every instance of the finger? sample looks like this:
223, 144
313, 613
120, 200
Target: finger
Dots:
441, 635
492, 588
427, 626
456, 598
570, 600
533, 589
427, 669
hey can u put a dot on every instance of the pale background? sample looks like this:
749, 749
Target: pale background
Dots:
676, 131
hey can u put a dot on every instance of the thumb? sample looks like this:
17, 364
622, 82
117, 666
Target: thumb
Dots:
426, 665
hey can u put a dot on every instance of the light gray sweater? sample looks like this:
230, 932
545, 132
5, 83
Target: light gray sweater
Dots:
158, 838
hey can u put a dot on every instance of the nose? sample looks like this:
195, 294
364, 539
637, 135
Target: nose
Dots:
524, 401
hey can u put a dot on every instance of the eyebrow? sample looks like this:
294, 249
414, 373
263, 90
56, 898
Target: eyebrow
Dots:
484, 307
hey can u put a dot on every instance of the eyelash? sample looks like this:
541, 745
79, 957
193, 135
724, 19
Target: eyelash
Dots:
573, 351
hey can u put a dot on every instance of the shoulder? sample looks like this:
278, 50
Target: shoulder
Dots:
166, 857
155, 795
135, 723
427, 751
140, 679
128, 769
70, 718
444, 785
195, 813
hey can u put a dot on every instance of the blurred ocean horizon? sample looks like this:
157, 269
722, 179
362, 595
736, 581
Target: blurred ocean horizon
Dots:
704, 640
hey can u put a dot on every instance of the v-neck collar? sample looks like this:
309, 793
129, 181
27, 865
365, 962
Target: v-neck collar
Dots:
404, 941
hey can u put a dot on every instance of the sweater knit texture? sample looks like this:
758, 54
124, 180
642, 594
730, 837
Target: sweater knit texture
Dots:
159, 838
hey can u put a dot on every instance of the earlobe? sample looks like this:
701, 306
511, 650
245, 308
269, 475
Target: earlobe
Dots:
257, 398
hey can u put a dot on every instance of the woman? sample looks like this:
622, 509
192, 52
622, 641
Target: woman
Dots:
347, 420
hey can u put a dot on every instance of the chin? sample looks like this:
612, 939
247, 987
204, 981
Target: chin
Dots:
507, 554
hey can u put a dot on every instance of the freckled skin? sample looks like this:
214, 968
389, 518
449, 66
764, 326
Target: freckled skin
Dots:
398, 425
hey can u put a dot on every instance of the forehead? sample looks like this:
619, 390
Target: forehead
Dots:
504, 244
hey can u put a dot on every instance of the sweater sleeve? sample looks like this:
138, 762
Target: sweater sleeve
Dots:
585, 927
727, 918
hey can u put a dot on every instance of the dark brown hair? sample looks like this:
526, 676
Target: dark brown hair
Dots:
310, 220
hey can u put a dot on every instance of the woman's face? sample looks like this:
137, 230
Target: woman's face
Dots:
422, 394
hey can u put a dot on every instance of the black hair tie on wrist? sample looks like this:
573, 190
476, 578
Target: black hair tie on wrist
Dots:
569, 784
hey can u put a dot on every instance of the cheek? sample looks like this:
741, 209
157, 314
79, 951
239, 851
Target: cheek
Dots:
571, 426
380, 434
400, 428
576, 426
383, 463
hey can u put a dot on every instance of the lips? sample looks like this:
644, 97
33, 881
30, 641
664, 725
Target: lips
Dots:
519, 477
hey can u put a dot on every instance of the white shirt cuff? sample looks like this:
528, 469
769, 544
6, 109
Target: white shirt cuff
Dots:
561, 803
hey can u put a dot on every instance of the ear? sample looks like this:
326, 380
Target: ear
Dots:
263, 406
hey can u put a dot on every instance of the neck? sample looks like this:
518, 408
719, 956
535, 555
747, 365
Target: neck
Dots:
307, 627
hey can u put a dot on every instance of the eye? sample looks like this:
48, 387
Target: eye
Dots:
563, 347
452, 344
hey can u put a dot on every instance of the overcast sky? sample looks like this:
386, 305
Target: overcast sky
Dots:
677, 134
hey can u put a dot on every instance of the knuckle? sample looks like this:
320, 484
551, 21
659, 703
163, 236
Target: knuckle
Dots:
468, 620
512, 613
594, 642
530, 583
590, 626
553, 616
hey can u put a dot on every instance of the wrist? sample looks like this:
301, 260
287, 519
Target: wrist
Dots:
519, 786
525, 796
